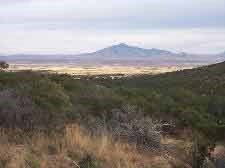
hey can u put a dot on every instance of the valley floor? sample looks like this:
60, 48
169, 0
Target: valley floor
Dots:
97, 70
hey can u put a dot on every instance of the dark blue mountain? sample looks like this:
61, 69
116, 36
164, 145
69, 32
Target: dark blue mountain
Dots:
124, 50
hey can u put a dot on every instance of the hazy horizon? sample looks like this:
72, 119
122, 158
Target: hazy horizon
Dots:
73, 27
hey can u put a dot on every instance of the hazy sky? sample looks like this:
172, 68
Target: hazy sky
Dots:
75, 26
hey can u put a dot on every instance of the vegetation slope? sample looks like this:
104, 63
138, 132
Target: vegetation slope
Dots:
39, 102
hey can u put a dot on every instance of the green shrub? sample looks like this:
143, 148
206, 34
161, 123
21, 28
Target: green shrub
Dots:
32, 162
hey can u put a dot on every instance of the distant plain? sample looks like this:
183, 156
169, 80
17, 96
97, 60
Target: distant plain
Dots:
97, 70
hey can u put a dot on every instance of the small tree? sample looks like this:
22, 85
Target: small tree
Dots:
3, 65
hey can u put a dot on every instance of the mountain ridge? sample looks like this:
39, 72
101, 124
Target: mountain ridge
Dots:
120, 46
120, 54
124, 50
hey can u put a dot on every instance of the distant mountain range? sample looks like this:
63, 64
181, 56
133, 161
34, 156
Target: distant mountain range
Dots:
124, 50
121, 54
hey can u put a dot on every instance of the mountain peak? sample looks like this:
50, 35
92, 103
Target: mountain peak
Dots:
125, 50
122, 45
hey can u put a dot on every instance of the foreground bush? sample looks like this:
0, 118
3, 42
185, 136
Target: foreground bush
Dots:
32, 102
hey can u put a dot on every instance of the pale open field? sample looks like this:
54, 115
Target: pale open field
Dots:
96, 70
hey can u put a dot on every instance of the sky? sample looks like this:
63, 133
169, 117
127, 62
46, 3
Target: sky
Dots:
77, 26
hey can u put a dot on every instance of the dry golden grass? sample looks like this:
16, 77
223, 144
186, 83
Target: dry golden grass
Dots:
97, 70
65, 151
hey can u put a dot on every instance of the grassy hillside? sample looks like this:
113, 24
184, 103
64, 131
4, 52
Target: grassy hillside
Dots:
132, 110
192, 98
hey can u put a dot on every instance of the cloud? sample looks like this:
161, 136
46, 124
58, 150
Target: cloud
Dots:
106, 13
71, 26
73, 42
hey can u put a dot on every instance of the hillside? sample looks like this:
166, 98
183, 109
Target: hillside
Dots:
197, 93
158, 114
